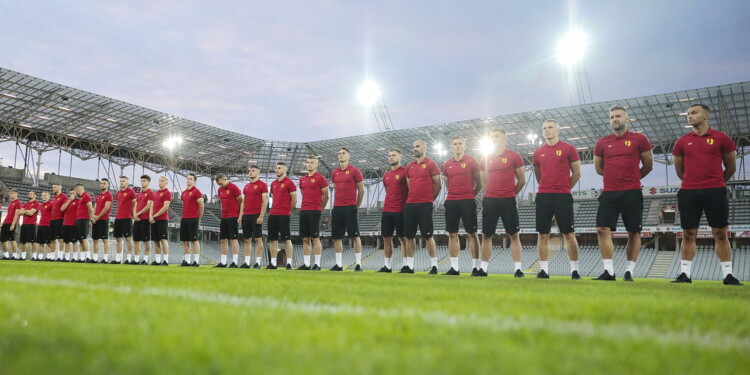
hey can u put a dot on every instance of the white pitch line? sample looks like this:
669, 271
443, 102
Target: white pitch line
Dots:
714, 340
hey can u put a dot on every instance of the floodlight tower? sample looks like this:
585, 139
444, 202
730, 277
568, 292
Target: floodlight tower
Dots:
570, 52
371, 97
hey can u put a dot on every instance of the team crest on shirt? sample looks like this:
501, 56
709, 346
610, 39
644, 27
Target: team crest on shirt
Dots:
710, 141
282, 185
398, 176
312, 180
558, 152
463, 165
505, 160
627, 143
347, 172
424, 166
255, 186
160, 194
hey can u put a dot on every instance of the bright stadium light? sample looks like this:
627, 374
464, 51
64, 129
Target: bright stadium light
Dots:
572, 47
172, 142
369, 93
486, 146
440, 150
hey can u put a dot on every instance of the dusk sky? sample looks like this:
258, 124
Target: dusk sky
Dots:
290, 70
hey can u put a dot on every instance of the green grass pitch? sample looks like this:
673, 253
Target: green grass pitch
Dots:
60, 318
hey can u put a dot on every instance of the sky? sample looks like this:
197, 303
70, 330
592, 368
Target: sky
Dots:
290, 70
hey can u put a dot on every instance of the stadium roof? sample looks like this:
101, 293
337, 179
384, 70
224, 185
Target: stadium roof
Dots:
48, 116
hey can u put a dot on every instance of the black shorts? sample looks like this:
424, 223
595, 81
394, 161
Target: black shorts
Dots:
500, 208
278, 227
464, 210
628, 203
44, 234
123, 228
229, 228
344, 218
100, 230
692, 204
142, 231
6, 234
70, 233
309, 224
418, 215
189, 230
250, 227
559, 205
28, 233
390, 222
82, 228
56, 229
159, 230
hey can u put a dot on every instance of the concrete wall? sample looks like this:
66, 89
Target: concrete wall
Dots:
69, 182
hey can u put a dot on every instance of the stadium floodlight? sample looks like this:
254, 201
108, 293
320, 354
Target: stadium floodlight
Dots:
486, 146
172, 142
440, 150
533, 138
369, 93
572, 47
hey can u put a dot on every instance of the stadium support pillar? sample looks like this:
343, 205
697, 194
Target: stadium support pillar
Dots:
656, 242
677, 248
377, 242
505, 242
38, 174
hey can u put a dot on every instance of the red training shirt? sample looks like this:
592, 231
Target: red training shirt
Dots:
501, 173
345, 185
396, 190
254, 197
161, 196
31, 205
420, 180
460, 175
703, 157
282, 199
125, 200
102, 200
621, 158
228, 197
554, 162
146, 195
312, 191
69, 216
82, 209
46, 209
190, 209
57, 202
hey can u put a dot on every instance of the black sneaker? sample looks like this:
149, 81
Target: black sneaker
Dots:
628, 276
474, 271
385, 269
245, 266
154, 263
194, 264
358, 268
453, 272
103, 261
114, 262
605, 276
256, 266
480, 273
303, 267
433, 271
220, 265
315, 267
731, 280
184, 264
519, 274
289, 267
270, 267
89, 260
142, 263
575, 275
164, 263
233, 265
336, 268
542, 275
683, 278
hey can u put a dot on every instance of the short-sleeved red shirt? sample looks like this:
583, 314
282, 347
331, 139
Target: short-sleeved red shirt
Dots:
57, 202
125, 203
145, 196
46, 209
345, 185
82, 209
190, 203
101, 201
228, 197
501, 173
703, 157
31, 205
254, 197
282, 199
396, 190
161, 196
460, 174
69, 215
554, 163
312, 191
420, 180
621, 158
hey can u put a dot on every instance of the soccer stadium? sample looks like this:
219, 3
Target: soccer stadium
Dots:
63, 316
